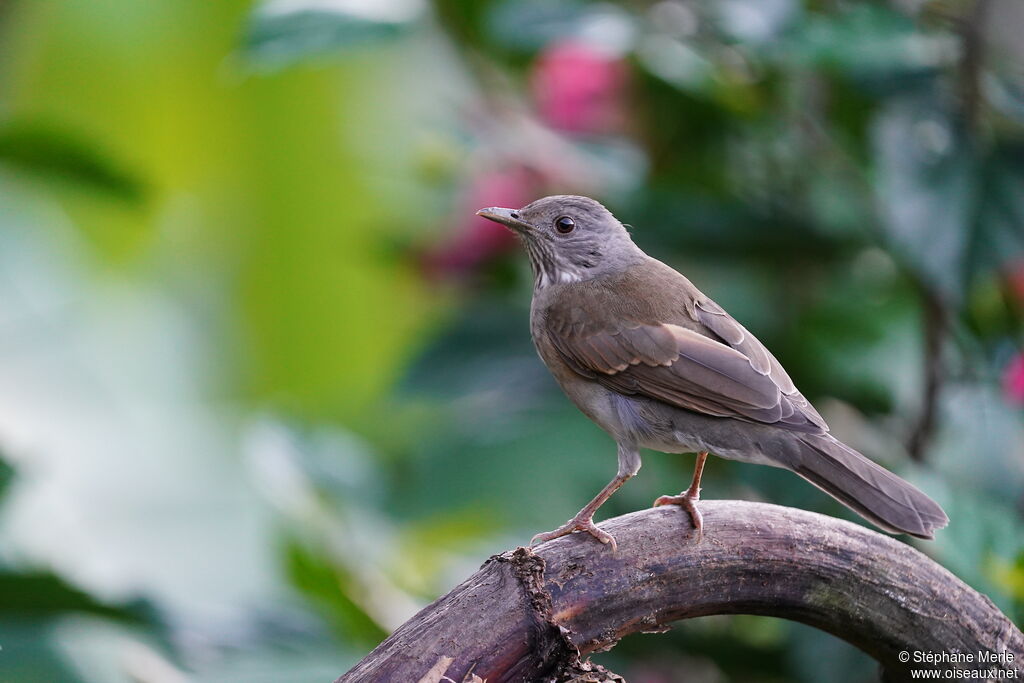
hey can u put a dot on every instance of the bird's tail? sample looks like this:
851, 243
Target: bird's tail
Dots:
873, 492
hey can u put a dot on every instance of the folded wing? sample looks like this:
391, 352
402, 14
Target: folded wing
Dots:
726, 372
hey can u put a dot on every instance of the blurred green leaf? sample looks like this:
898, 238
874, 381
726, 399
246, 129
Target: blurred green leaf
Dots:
1010, 575
330, 591
950, 208
55, 154
924, 183
30, 655
42, 594
709, 649
999, 206
6, 476
33, 606
846, 664
866, 40
528, 25
984, 537
280, 34
1006, 92
755, 21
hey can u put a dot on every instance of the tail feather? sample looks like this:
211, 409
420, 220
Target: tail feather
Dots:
868, 489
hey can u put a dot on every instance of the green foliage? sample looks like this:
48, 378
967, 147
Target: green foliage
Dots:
324, 584
41, 594
35, 605
951, 211
280, 35
55, 155
269, 388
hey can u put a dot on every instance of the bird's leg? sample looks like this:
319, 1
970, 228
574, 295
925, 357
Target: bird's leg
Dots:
629, 464
688, 498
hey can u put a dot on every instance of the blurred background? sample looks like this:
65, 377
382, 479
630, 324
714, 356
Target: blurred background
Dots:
266, 382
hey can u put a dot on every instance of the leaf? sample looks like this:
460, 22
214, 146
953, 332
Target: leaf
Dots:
329, 587
999, 237
44, 594
54, 153
530, 24
951, 210
284, 32
1011, 577
924, 189
983, 538
755, 21
866, 41
32, 607
6, 475
29, 654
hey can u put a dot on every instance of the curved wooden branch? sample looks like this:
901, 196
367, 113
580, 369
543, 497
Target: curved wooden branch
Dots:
529, 616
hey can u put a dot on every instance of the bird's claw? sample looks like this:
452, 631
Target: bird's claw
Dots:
687, 501
585, 524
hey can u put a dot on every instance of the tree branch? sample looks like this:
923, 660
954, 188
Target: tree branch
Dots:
525, 615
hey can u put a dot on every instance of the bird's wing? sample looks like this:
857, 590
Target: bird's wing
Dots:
714, 318
690, 354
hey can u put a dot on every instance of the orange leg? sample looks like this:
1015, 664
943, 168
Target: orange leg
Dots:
629, 464
584, 519
688, 498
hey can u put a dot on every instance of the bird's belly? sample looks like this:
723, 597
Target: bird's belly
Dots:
627, 419
597, 403
648, 423
685, 431
651, 424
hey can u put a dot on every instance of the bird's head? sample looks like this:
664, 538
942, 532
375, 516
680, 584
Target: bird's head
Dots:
568, 238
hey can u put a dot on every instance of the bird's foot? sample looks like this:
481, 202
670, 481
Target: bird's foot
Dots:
577, 523
687, 501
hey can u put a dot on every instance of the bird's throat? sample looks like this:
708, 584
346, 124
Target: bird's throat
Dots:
549, 268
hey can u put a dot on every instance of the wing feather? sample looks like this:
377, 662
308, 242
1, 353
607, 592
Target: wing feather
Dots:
724, 371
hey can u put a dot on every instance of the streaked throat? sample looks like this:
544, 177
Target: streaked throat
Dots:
548, 268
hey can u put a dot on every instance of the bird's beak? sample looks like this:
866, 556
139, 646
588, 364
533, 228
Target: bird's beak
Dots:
507, 217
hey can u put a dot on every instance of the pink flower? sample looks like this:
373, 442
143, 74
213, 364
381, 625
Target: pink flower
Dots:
476, 240
580, 89
1013, 380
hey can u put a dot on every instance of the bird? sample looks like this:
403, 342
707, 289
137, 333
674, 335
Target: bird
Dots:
657, 364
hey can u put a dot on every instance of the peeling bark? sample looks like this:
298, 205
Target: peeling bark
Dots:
531, 615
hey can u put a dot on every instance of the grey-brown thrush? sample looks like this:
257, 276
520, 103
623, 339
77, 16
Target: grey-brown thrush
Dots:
657, 364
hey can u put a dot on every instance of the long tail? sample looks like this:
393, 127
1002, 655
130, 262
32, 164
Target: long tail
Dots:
872, 491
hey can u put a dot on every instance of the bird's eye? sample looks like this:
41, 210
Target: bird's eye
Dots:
564, 225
